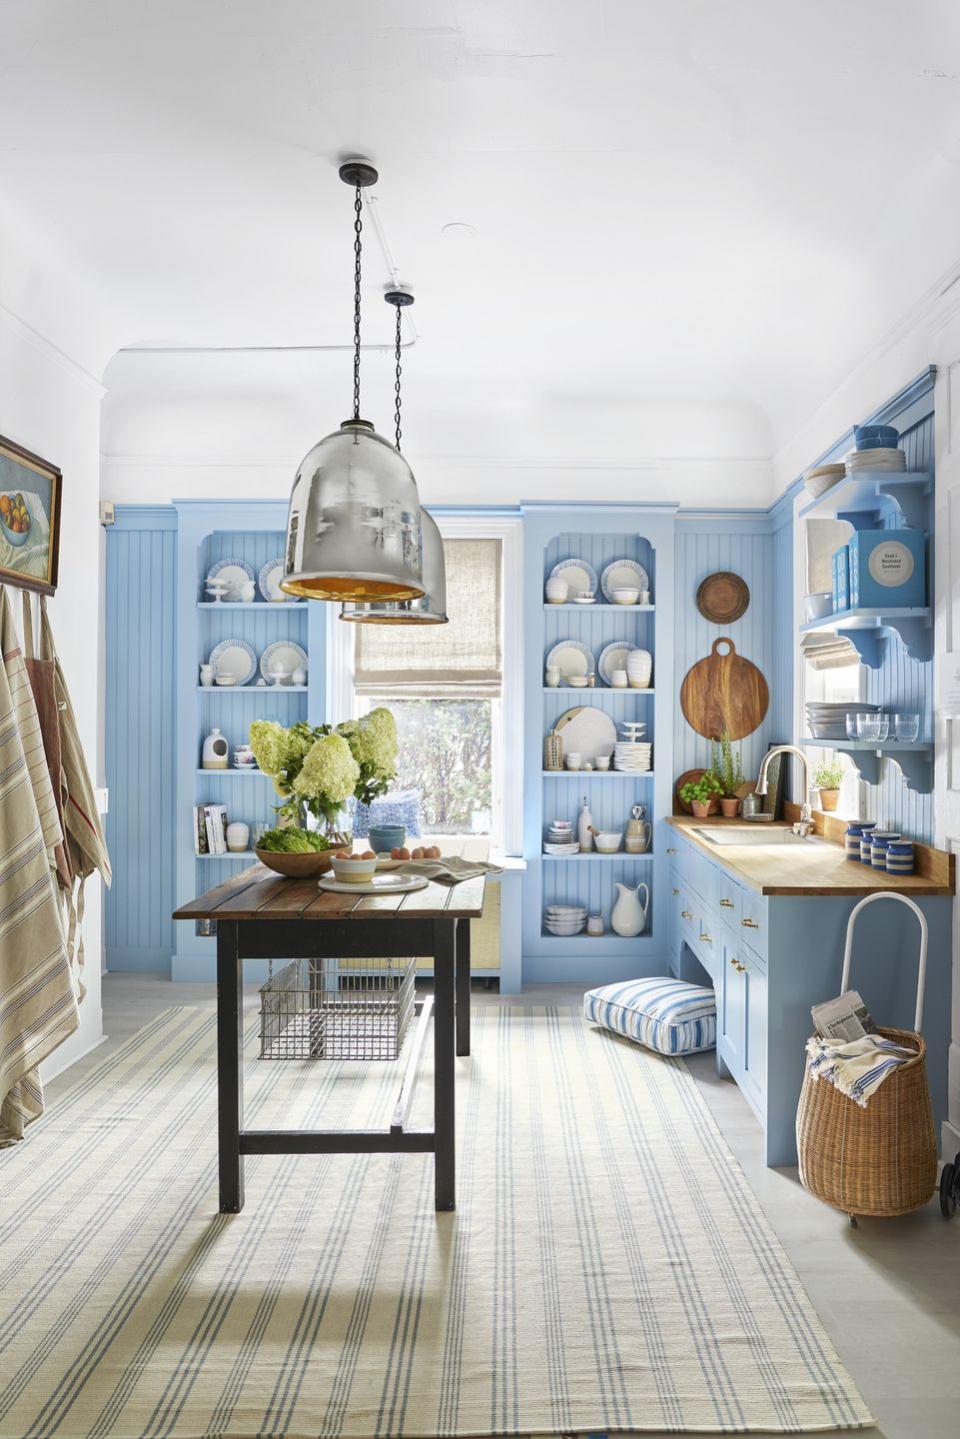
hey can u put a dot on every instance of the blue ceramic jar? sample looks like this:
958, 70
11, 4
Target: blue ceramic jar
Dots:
899, 856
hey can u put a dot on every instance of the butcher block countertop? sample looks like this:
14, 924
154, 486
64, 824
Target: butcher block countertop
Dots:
820, 868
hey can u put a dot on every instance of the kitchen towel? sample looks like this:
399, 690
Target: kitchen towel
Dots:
857, 1068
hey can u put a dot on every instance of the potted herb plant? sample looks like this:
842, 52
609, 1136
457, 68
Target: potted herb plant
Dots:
828, 778
728, 770
699, 794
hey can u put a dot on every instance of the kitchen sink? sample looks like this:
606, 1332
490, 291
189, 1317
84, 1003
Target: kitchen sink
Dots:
756, 835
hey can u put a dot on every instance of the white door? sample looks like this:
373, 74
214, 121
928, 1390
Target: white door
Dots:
947, 622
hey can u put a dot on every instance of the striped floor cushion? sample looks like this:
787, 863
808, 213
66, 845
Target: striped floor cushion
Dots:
663, 1013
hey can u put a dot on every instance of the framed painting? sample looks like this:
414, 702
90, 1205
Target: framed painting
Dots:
29, 519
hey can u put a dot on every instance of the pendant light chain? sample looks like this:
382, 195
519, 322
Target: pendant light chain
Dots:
396, 383
357, 250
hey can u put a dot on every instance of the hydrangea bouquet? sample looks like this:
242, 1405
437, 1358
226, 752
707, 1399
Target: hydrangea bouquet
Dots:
318, 769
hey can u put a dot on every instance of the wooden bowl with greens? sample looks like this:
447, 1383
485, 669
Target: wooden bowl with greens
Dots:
297, 853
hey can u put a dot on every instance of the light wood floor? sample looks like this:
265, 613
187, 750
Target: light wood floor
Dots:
888, 1292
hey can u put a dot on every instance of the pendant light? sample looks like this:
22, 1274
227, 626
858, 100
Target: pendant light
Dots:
431, 608
354, 529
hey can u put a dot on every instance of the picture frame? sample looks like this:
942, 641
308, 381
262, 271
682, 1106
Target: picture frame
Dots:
30, 495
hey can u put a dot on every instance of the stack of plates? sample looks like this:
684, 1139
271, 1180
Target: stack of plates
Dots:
885, 459
564, 919
822, 478
634, 758
560, 838
828, 720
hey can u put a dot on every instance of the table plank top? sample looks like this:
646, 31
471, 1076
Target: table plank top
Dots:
258, 893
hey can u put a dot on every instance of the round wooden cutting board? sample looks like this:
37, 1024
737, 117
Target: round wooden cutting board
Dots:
723, 597
693, 776
724, 693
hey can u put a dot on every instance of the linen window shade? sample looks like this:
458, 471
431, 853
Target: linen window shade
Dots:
463, 657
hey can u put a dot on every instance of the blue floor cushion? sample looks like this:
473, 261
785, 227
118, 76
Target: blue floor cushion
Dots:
663, 1013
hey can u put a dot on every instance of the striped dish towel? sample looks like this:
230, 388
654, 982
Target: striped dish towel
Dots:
858, 1067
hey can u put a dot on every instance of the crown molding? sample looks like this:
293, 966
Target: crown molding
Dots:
46, 347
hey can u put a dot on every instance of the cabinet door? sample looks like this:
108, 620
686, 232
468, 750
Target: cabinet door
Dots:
732, 1011
753, 981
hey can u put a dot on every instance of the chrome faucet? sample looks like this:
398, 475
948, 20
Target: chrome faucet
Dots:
805, 823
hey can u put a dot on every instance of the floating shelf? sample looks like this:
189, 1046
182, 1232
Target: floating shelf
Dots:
597, 690
252, 689
865, 628
594, 858
230, 854
234, 773
272, 605
591, 609
914, 758
591, 774
876, 492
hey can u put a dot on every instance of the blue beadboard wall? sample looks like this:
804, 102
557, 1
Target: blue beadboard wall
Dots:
902, 683
748, 545
139, 736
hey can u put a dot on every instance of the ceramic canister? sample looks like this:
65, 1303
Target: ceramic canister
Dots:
878, 857
853, 835
866, 843
899, 856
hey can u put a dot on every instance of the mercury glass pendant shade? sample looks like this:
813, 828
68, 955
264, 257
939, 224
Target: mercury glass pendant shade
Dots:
354, 529
431, 609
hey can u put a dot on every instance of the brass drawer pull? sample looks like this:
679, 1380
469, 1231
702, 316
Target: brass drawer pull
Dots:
671, 851
749, 924
727, 904
686, 914
676, 891
706, 939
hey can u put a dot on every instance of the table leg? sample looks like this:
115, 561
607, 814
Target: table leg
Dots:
444, 1106
463, 986
230, 1065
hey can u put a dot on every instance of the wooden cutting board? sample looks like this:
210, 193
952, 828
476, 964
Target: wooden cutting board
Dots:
724, 692
692, 776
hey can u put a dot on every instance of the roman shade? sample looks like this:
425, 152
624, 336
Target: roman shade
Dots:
461, 658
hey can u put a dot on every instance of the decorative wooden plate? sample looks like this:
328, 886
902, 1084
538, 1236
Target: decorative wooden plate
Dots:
691, 776
723, 597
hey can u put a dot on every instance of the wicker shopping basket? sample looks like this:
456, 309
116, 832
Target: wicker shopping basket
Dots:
882, 1159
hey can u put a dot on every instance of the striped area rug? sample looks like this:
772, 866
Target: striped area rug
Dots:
608, 1268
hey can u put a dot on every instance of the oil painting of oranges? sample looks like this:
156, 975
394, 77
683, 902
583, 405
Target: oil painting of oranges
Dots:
29, 519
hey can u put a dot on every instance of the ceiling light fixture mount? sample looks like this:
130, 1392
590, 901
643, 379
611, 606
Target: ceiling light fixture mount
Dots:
431, 608
354, 527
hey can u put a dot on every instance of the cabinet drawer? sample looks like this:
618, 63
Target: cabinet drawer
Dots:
753, 921
728, 899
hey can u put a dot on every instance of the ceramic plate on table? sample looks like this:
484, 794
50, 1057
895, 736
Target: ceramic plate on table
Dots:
233, 574
235, 658
283, 655
623, 575
588, 732
578, 574
613, 657
269, 580
380, 884
570, 658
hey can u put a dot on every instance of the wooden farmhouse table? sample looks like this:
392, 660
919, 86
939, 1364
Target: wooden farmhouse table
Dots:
260, 915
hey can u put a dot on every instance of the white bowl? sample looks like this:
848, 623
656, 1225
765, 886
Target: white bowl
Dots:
607, 841
819, 605
354, 871
625, 597
577, 682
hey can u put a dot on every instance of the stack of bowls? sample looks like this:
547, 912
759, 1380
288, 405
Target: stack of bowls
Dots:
560, 838
385, 837
876, 449
822, 478
564, 920
827, 720
639, 669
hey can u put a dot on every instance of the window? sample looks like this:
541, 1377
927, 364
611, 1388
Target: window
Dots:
446, 687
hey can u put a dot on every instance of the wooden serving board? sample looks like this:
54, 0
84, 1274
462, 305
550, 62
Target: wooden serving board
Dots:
692, 776
724, 692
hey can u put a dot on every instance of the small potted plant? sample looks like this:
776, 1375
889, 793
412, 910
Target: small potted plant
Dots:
728, 769
828, 778
700, 794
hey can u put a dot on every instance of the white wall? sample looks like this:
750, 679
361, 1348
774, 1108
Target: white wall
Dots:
52, 406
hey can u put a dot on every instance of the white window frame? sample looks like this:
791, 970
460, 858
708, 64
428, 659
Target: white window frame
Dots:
507, 817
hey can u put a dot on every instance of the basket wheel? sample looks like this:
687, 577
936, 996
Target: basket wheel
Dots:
949, 1183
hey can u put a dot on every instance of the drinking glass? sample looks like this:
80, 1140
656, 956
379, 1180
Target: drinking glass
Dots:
907, 726
868, 727
883, 726
852, 726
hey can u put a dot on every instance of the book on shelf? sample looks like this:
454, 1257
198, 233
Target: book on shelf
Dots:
199, 830
210, 829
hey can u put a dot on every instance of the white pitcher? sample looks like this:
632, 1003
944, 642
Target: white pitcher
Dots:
629, 916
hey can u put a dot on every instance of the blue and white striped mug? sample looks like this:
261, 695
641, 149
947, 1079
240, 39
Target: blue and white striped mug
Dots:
899, 856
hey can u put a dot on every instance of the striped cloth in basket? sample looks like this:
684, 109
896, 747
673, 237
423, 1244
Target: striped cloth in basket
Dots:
663, 1013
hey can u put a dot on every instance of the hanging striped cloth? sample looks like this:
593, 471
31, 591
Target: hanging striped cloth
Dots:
38, 1007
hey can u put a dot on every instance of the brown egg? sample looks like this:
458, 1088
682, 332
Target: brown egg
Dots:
417, 853
433, 852
368, 854
395, 852
403, 853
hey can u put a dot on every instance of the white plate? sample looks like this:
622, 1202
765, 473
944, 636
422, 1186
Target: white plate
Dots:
588, 732
234, 574
234, 657
269, 580
284, 655
614, 657
623, 575
380, 884
578, 574
571, 658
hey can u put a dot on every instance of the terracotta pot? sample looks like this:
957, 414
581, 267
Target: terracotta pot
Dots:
829, 798
700, 810
730, 806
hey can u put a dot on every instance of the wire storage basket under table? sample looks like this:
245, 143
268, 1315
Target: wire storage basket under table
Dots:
337, 1009
879, 1160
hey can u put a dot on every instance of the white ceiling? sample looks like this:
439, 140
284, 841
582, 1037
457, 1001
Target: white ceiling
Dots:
692, 219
